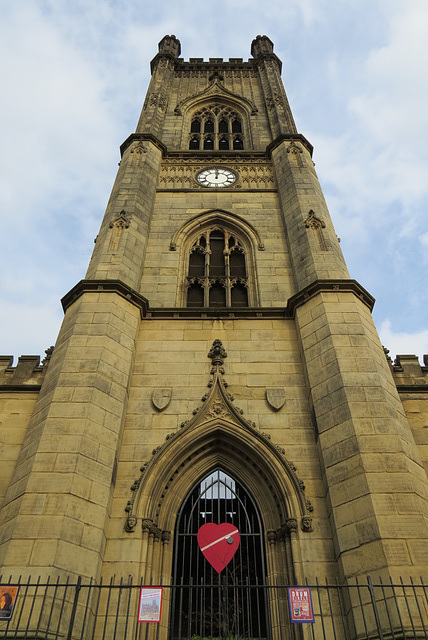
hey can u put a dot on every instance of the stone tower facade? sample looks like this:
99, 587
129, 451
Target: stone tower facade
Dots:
216, 329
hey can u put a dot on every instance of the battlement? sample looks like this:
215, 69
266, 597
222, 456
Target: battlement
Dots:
27, 374
407, 371
170, 47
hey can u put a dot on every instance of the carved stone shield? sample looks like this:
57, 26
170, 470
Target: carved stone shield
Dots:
161, 398
275, 398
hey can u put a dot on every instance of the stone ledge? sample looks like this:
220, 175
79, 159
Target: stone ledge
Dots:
105, 286
412, 388
320, 286
22, 388
148, 137
287, 137
224, 313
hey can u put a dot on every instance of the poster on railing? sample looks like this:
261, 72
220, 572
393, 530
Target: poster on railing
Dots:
300, 601
8, 595
150, 607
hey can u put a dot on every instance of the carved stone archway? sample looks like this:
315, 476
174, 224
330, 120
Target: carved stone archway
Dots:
218, 436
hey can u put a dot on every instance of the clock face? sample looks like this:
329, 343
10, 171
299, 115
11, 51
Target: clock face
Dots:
216, 177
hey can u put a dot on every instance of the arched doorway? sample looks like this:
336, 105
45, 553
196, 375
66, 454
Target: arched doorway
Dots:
232, 603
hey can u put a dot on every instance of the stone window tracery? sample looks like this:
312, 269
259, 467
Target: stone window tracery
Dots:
217, 270
216, 128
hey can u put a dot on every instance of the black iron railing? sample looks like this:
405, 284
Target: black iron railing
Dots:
82, 610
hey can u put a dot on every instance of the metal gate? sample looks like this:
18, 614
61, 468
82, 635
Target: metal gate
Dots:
230, 604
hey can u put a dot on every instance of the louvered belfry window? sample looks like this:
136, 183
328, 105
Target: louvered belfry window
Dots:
217, 274
216, 128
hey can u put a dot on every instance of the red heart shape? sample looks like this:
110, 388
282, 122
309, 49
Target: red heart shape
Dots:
218, 543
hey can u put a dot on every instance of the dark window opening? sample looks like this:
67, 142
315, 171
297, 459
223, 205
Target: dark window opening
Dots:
195, 296
219, 121
217, 295
196, 264
217, 264
237, 264
239, 295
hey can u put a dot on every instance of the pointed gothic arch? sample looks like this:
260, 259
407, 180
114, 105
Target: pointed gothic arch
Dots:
219, 437
216, 96
238, 277
234, 599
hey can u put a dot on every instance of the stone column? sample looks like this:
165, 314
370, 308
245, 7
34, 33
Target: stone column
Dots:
56, 510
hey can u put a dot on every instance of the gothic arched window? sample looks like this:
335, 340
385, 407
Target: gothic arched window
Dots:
217, 271
220, 125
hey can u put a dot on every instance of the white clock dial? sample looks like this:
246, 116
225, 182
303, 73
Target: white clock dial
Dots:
216, 177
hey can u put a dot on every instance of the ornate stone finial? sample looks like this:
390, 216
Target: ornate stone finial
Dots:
313, 221
170, 44
121, 221
216, 76
261, 45
217, 353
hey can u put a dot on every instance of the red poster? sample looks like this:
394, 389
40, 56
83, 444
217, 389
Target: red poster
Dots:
150, 607
300, 601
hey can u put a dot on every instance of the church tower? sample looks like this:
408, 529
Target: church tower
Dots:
217, 362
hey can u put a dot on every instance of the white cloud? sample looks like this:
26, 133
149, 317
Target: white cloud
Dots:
403, 343
75, 75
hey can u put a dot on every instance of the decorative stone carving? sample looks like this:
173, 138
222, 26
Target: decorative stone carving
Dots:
271, 536
146, 525
48, 352
121, 221
130, 524
313, 221
317, 225
296, 153
181, 173
161, 398
307, 523
275, 398
166, 536
217, 353
157, 100
291, 524
137, 152
217, 403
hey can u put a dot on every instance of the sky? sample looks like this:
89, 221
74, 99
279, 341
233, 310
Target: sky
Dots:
74, 76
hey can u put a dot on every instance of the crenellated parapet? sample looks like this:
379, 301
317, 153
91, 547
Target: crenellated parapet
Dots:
27, 375
409, 375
